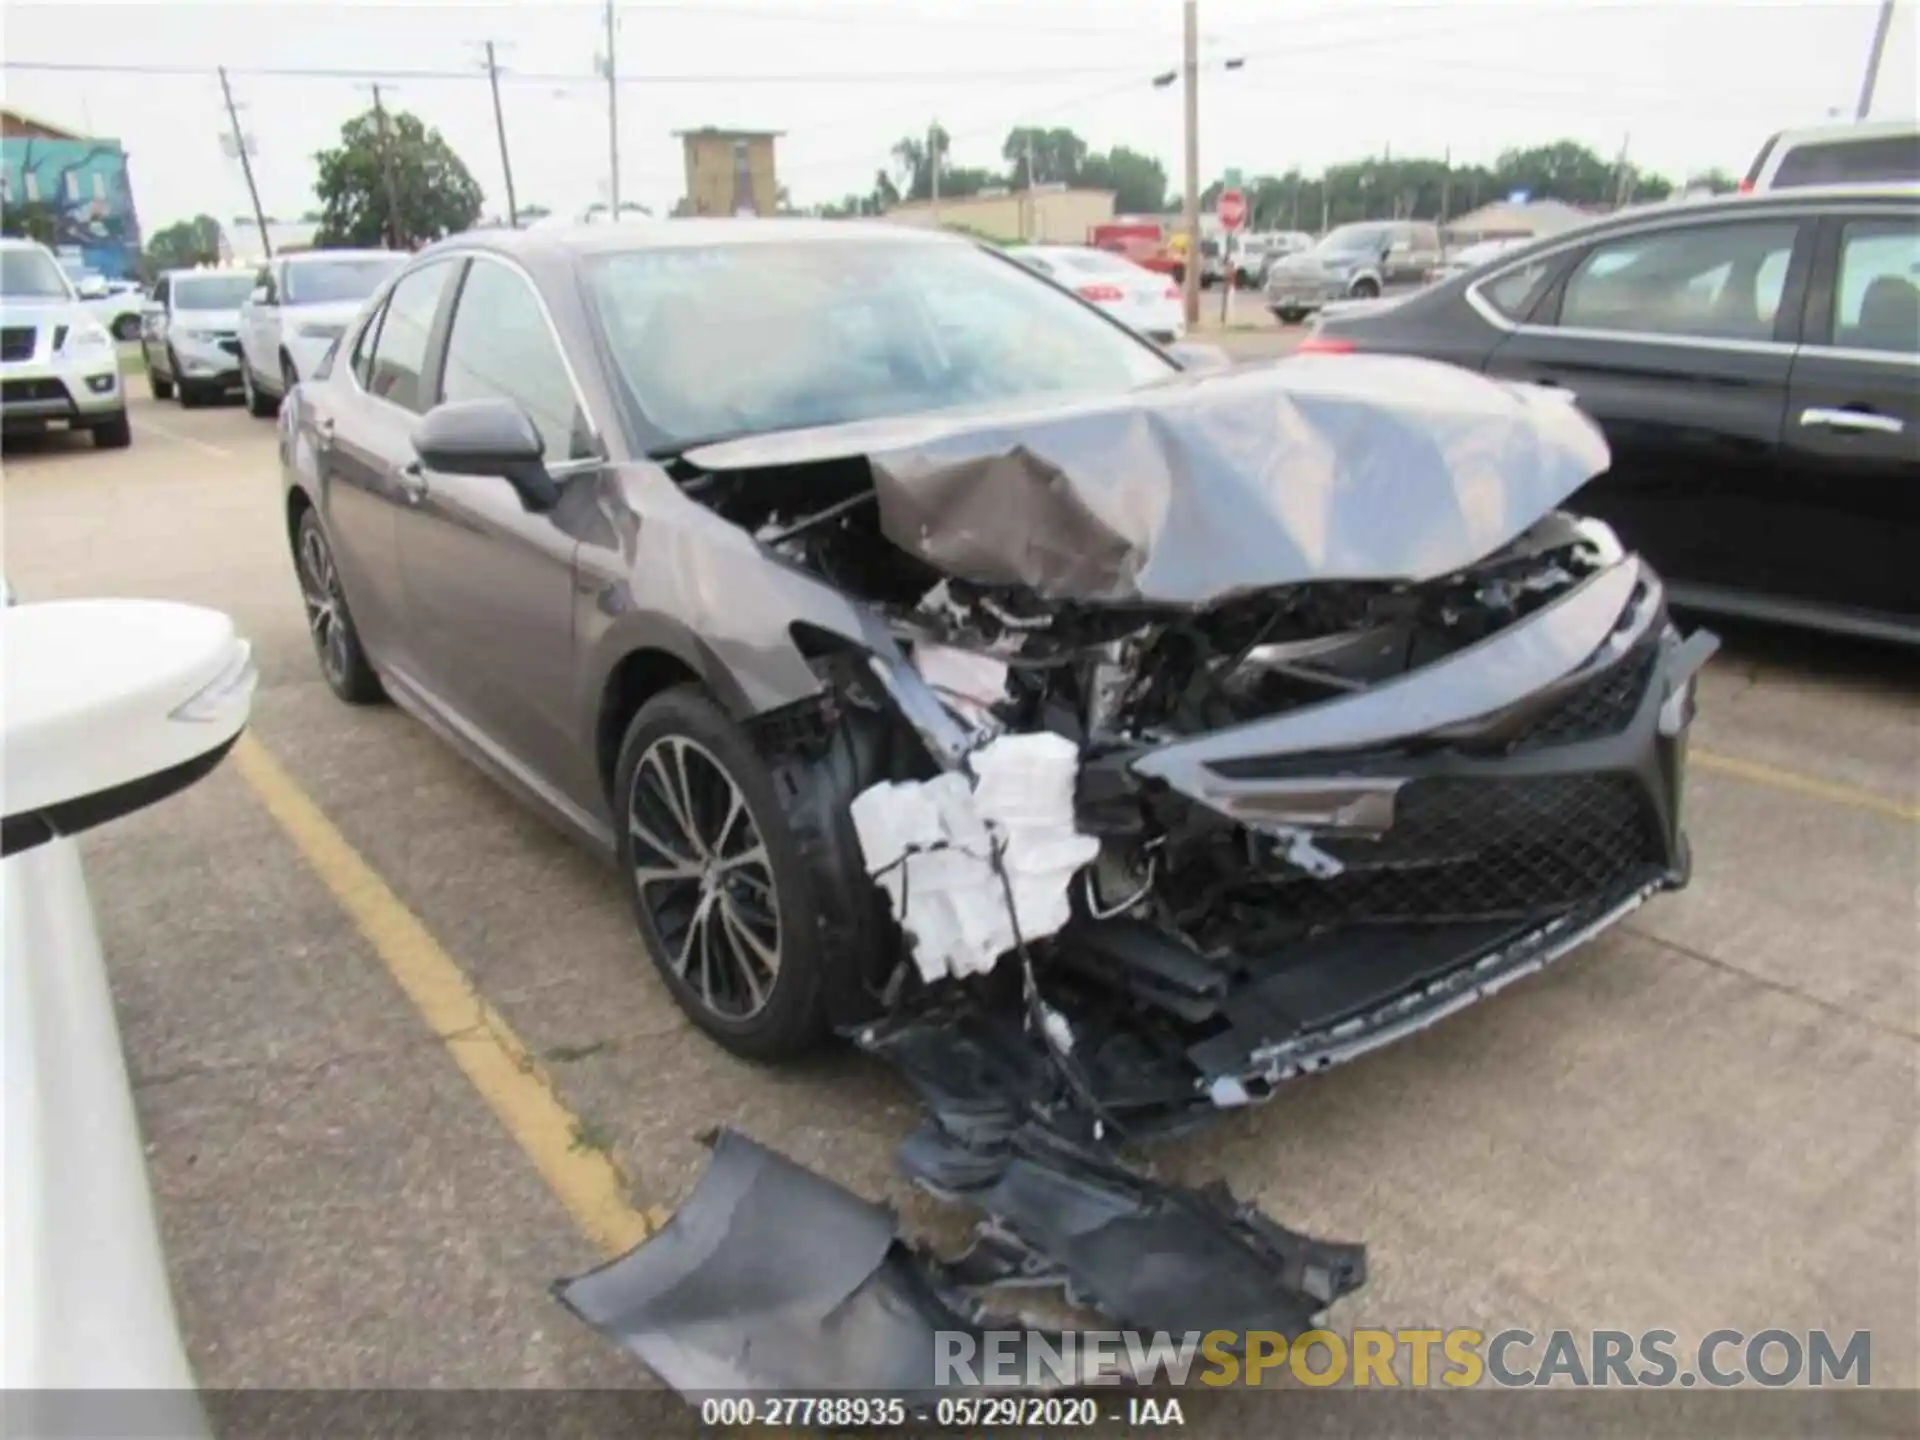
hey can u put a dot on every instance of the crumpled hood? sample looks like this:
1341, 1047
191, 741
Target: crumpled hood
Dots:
1185, 493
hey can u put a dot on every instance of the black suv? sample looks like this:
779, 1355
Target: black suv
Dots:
1755, 363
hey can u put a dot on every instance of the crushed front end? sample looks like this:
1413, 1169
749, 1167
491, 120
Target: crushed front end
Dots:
1195, 741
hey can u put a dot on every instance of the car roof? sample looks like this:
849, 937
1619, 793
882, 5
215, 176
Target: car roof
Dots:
545, 244
242, 270
1843, 130
314, 257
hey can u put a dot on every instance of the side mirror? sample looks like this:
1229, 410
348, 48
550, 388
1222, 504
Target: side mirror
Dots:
488, 437
1199, 358
112, 705
92, 289
259, 295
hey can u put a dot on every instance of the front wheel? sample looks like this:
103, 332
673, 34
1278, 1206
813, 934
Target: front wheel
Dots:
721, 895
1366, 290
343, 664
114, 434
126, 327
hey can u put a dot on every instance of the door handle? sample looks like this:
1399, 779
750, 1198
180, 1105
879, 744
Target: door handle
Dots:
413, 482
1860, 420
324, 429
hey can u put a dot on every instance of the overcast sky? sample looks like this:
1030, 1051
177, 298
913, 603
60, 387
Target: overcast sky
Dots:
1694, 83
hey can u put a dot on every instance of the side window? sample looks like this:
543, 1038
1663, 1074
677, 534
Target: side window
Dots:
1514, 293
400, 352
1721, 282
1851, 162
1876, 297
363, 347
502, 348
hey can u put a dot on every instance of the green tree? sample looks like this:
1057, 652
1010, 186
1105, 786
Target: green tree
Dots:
182, 245
1138, 182
1057, 156
433, 192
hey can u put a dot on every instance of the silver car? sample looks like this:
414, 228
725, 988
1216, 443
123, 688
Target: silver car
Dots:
190, 334
1352, 262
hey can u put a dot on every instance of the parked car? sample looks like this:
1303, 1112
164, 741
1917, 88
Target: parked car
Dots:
745, 549
190, 334
1135, 296
110, 706
300, 304
1352, 262
1254, 253
114, 303
58, 365
1753, 362
1472, 257
1855, 152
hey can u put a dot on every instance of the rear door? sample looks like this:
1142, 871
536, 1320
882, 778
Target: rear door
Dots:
489, 583
363, 447
1851, 450
1677, 337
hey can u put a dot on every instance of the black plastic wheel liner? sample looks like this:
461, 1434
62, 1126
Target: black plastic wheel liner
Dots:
773, 1278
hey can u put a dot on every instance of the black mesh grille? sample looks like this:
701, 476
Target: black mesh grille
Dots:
26, 390
1599, 707
16, 342
1487, 848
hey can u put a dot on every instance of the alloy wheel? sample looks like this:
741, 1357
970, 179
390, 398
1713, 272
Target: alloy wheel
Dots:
704, 878
326, 607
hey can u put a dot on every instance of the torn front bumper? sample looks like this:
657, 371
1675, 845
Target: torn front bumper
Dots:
1432, 839
772, 1278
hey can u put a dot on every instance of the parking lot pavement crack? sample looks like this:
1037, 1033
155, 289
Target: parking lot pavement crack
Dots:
1898, 1032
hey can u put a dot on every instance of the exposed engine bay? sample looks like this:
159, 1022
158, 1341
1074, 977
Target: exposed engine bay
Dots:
1202, 739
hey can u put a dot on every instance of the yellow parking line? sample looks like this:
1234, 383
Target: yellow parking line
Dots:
1779, 779
584, 1179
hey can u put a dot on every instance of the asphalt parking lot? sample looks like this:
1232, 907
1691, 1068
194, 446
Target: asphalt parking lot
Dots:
348, 968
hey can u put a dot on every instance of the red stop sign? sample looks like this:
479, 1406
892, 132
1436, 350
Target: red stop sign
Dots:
1232, 209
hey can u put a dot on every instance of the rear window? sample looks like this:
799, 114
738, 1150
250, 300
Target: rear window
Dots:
1850, 162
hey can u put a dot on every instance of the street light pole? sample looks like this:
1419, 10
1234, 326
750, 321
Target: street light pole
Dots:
1872, 77
500, 129
613, 127
1190, 211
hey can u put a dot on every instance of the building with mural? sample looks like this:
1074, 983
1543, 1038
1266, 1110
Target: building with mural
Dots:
70, 191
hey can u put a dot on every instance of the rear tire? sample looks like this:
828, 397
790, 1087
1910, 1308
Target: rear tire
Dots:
1291, 317
126, 327
114, 434
721, 894
1365, 290
336, 644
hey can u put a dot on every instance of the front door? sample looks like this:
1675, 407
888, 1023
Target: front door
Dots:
364, 422
1851, 450
1671, 338
489, 582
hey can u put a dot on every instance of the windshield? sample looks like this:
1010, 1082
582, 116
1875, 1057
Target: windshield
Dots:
31, 275
211, 292
745, 339
317, 282
1347, 239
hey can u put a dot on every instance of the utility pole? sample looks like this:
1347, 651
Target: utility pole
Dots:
1446, 194
246, 165
1622, 175
613, 126
500, 128
396, 237
1033, 200
1872, 77
933, 170
1190, 211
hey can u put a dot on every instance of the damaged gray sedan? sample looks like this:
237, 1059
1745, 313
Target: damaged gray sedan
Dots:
1099, 741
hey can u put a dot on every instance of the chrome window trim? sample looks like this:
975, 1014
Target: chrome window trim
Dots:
1800, 211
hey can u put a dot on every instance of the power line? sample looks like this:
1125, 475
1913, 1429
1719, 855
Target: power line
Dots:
386, 77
